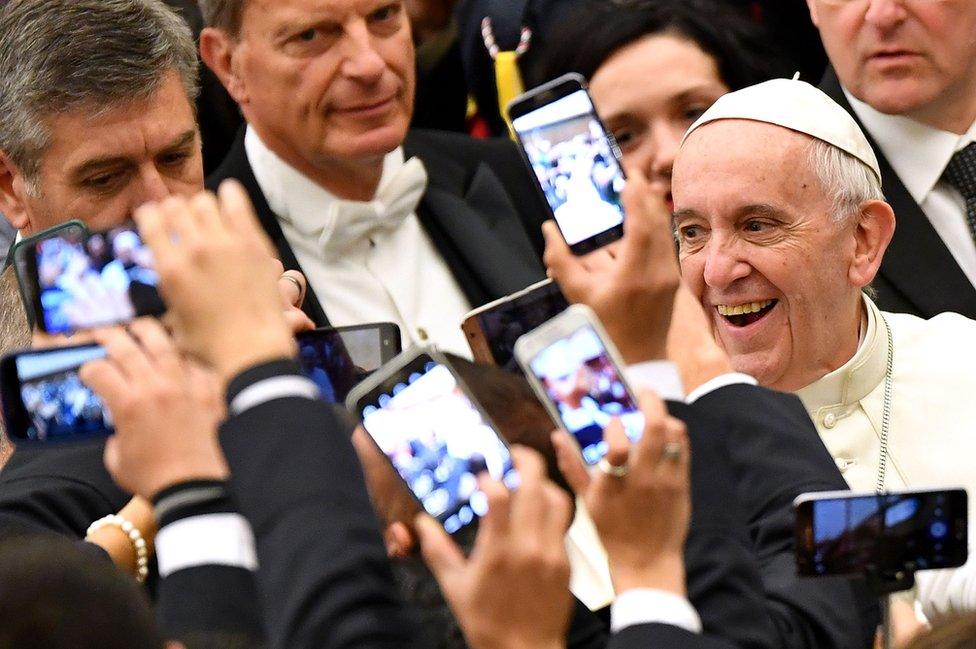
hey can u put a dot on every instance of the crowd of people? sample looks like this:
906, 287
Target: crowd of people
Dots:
793, 299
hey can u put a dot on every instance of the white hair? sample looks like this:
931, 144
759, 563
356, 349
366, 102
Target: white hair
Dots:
848, 182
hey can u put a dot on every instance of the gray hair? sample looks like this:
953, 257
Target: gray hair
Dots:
58, 56
848, 182
225, 15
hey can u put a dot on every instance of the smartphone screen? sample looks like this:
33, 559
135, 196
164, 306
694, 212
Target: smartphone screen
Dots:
581, 379
575, 164
71, 231
106, 278
45, 401
337, 359
845, 535
504, 325
437, 440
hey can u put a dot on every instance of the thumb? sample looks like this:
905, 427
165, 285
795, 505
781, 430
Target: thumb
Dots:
440, 553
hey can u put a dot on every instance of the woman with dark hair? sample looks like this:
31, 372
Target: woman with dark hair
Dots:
654, 66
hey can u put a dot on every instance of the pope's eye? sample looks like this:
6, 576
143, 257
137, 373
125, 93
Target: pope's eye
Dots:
307, 35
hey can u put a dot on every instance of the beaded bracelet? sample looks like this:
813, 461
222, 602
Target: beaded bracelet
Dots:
138, 543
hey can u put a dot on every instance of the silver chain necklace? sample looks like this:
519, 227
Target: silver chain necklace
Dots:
885, 411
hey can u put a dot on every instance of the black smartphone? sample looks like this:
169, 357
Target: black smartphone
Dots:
102, 279
842, 533
492, 329
70, 231
574, 159
427, 423
338, 358
45, 401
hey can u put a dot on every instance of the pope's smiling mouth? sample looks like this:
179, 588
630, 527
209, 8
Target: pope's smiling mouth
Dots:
743, 315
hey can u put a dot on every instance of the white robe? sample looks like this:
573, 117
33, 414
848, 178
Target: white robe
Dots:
932, 434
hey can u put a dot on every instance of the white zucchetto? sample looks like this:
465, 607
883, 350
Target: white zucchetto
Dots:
798, 106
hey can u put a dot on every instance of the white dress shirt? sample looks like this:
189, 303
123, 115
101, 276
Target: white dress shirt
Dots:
919, 155
359, 273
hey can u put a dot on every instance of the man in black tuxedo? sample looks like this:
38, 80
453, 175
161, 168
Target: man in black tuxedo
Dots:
905, 71
414, 228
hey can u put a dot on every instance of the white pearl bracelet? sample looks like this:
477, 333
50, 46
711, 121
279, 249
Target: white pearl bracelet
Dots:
139, 543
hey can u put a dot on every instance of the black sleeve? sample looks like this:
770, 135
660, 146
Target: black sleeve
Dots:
776, 454
325, 580
206, 605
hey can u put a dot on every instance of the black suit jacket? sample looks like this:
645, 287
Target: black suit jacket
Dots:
918, 273
481, 210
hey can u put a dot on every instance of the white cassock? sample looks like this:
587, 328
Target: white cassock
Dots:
932, 434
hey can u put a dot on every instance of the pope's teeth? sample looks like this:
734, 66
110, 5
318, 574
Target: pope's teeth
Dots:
742, 309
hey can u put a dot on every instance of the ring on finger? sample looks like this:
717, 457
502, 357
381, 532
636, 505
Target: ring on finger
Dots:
298, 285
612, 469
672, 452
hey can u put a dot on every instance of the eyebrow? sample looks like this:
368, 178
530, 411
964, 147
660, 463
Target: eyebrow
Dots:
183, 140
753, 209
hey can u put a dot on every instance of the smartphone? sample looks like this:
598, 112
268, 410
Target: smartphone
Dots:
45, 401
576, 372
492, 329
70, 231
574, 159
842, 533
338, 358
424, 419
102, 279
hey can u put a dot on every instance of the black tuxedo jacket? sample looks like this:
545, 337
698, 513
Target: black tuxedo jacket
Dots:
918, 273
481, 210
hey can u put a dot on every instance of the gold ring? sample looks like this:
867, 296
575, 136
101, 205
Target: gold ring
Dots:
612, 469
672, 451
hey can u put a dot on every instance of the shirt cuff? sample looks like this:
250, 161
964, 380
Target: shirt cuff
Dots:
660, 376
652, 606
207, 540
720, 381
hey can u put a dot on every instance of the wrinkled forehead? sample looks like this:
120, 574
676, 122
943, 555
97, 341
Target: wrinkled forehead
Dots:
741, 156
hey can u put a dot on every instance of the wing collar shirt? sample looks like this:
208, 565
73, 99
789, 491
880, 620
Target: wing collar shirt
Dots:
930, 437
919, 154
367, 261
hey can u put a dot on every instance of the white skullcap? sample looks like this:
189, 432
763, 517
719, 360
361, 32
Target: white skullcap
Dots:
798, 106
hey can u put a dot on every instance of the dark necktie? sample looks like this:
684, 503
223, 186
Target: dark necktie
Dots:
961, 174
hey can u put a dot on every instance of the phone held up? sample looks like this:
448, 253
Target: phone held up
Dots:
73, 231
575, 161
493, 329
577, 373
45, 401
102, 278
424, 419
338, 358
843, 533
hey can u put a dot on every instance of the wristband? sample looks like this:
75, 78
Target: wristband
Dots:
135, 536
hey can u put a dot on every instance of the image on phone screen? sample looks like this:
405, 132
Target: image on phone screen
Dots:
55, 404
583, 382
503, 326
338, 359
438, 442
104, 279
890, 530
570, 153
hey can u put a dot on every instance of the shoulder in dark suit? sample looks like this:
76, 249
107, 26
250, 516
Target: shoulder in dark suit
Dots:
481, 210
918, 273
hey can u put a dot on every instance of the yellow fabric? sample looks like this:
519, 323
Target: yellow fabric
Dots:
508, 80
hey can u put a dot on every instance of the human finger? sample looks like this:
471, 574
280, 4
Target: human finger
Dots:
529, 506
293, 287
648, 448
561, 264
125, 353
238, 214
618, 445
440, 552
155, 232
181, 219
298, 321
106, 380
157, 344
570, 462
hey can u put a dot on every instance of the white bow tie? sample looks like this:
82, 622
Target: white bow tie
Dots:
348, 222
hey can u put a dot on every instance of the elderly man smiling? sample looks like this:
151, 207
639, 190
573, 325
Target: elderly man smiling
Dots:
782, 227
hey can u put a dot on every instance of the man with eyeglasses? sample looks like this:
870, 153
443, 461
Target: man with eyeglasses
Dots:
906, 69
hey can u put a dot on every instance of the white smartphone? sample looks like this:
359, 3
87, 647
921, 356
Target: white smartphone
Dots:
577, 373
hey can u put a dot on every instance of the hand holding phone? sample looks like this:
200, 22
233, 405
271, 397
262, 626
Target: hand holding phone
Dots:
574, 368
574, 159
426, 422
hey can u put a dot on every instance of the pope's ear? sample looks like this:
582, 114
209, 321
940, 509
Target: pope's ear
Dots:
872, 234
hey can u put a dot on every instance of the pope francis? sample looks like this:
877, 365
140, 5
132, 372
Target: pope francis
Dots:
781, 225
